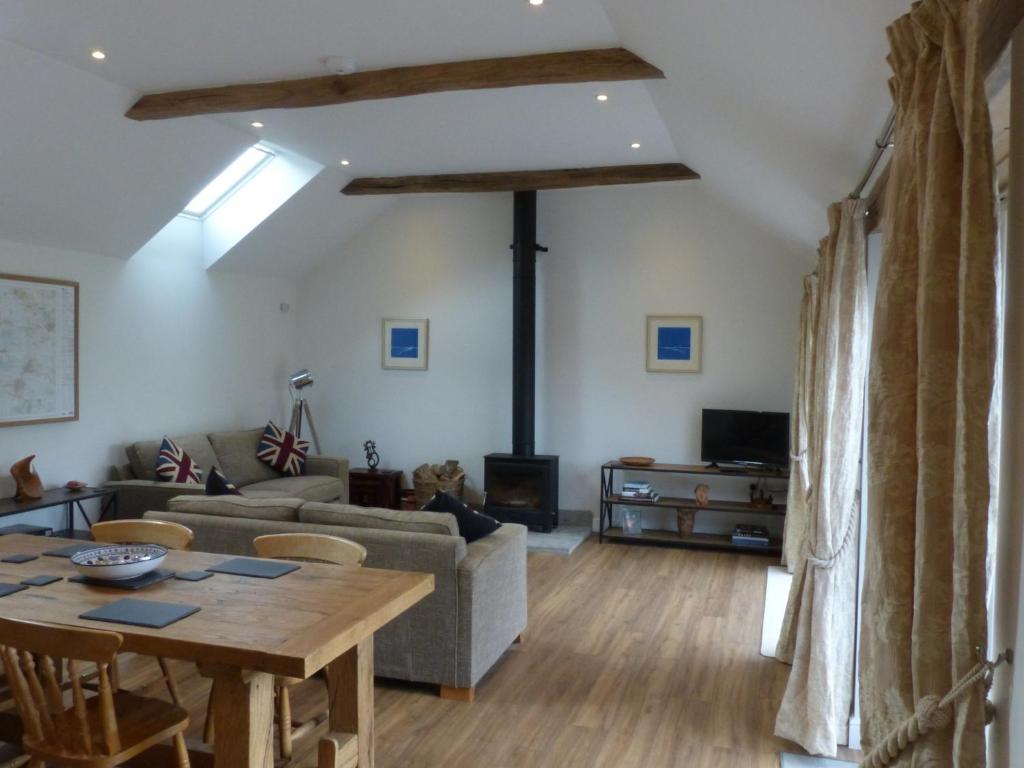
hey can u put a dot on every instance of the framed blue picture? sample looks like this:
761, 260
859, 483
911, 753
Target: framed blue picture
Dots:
404, 344
674, 344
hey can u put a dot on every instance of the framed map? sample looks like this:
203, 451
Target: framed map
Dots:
38, 350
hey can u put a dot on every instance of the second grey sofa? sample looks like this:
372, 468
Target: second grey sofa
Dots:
452, 637
234, 453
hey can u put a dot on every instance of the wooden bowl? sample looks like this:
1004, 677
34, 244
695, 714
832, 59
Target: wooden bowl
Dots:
636, 461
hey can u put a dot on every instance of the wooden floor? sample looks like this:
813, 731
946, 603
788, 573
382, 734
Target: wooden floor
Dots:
634, 656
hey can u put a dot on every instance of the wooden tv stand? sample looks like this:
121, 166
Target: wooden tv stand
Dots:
610, 499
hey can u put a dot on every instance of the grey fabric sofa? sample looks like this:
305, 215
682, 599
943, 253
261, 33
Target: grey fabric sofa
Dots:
451, 638
234, 453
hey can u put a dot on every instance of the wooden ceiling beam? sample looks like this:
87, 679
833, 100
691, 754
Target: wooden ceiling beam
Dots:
516, 181
598, 65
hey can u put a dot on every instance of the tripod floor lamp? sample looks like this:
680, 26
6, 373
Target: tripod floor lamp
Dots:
297, 382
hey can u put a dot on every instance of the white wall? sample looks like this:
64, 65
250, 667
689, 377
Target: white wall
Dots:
616, 256
1006, 735
165, 347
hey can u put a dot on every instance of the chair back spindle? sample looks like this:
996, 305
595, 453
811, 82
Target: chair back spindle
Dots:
34, 657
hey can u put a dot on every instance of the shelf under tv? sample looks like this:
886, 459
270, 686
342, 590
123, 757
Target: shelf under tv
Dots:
719, 541
611, 498
702, 469
673, 502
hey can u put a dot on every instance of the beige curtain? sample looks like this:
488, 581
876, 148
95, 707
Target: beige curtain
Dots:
820, 625
799, 479
932, 373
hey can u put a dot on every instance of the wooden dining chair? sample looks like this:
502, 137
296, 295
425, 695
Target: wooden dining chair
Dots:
295, 546
105, 729
165, 534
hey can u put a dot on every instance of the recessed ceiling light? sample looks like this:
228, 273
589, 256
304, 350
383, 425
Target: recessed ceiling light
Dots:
256, 124
536, 2
98, 55
345, 162
635, 145
602, 97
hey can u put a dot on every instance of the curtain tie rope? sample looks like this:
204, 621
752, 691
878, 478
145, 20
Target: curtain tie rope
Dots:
798, 457
932, 713
827, 563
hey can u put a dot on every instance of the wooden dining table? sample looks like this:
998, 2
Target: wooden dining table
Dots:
247, 630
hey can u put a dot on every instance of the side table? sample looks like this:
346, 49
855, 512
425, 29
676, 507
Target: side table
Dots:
375, 488
70, 500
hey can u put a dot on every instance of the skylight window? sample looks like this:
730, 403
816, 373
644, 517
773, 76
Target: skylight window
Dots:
228, 181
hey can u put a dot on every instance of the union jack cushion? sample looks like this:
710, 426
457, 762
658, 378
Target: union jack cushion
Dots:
173, 465
283, 451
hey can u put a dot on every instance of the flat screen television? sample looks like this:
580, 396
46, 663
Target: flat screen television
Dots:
745, 437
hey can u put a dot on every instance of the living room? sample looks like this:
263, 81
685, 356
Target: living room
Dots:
677, 186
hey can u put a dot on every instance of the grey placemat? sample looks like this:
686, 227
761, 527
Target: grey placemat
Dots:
140, 613
19, 558
10, 589
72, 549
145, 580
260, 569
40, 581
193, 575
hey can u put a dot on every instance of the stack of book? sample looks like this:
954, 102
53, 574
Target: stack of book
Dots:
641, 491
750, 536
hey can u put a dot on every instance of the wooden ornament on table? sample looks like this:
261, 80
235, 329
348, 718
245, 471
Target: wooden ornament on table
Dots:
684, 521
701, 494
27, 480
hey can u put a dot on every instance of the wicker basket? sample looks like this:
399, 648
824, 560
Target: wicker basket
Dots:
684, 521
428, 480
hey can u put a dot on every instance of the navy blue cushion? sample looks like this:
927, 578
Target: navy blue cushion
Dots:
218, 485
473, 525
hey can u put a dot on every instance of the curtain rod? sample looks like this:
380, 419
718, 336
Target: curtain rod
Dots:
882, 143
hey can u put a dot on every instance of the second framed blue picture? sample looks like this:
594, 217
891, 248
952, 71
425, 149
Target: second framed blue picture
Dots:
405, 344
674, 343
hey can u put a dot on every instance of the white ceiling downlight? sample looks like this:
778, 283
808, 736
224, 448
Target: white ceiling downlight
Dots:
228, 181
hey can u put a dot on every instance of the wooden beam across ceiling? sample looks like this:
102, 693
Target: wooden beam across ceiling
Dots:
598, 65
516, 181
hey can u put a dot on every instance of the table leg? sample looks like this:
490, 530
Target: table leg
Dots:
350, 702
243, 711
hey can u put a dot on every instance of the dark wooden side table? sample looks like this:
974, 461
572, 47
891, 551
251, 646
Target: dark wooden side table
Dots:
70, 500
375, 488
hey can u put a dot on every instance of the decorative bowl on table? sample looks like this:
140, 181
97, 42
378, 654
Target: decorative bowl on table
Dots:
76, 485
115, 563
636, 461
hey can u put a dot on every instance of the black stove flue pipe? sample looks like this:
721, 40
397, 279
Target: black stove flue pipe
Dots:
524, 320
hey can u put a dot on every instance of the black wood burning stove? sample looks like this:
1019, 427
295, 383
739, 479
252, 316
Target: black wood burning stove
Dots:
522, 489
521, 486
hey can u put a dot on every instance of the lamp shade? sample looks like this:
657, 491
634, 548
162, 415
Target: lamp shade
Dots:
301, 379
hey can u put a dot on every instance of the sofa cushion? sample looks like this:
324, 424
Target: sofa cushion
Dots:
473, 525
283, 451
236, 456
143, 454
372, 517
308, 487
174, 465
218, 485
280, 509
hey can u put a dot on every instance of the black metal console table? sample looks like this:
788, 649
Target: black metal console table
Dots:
70, 500
610, 499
